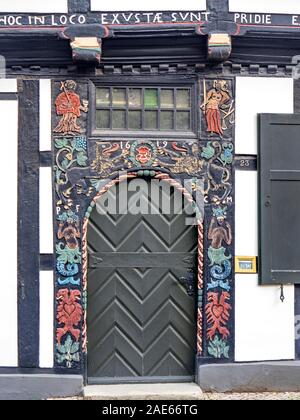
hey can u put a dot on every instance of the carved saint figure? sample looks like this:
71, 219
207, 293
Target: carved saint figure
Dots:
215, 100
68, 104
219, 231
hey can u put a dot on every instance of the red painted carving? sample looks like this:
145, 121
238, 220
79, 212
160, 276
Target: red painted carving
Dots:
218, 313
143, 154
69, 313
214, 102
68, 104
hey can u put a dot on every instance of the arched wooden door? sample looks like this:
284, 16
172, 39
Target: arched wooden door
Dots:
141, 306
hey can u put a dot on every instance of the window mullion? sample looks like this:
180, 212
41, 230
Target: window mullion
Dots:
175, 109
143, 108
127, 110
159, 109
110, 107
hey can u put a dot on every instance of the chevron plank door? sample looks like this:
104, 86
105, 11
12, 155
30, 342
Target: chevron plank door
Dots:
141, 320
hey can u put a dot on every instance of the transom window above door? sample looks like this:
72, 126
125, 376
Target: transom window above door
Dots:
144, 108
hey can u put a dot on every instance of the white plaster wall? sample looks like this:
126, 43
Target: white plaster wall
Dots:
246, 223
8, 244
46, 319
46, 232
46, 211
264, 326
8, 85
147, 5
34, 6
259, 95
265, 6
45, 115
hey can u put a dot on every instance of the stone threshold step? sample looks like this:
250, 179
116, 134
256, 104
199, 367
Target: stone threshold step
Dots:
166, 391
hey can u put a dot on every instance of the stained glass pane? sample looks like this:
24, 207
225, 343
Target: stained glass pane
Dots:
151, 98
102, 119
103, 97
151, 120
135, 120
166, 120
119, 119
183, 98
135, 98
183, 120
119, 97
167, 98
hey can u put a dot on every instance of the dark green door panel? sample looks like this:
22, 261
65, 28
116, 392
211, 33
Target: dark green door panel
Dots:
279, 185
141, 320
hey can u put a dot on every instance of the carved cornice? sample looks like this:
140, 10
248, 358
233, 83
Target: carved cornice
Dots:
222, 69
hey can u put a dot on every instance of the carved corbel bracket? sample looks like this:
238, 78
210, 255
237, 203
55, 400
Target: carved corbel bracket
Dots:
86, 49
86, 42
219, 44
219, 47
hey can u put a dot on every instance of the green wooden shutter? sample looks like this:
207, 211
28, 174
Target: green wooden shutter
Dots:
279, 206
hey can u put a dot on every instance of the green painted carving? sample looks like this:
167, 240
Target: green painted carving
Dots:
217, 256
68, 353
218, 348
208, 151
68, 255
71, 152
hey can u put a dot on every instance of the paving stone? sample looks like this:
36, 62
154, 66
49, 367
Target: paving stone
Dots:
184, 391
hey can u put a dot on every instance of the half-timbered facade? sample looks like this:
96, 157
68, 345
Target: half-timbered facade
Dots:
192, 105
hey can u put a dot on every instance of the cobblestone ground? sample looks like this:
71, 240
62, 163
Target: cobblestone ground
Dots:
254, 396
292, 396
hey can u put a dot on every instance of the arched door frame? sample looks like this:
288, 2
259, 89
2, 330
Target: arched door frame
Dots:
157, 174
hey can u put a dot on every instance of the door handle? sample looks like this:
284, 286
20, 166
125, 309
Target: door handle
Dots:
189, 283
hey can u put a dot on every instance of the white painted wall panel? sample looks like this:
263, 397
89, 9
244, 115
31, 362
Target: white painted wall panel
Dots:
8, 85
34, 6
147, 5
46, 319
246, 230
8, 244
264, 326
259, 95
45, 115
46, 211
265, 6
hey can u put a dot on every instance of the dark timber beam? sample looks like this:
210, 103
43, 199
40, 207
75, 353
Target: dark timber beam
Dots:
28, 225
79, 6
217, 5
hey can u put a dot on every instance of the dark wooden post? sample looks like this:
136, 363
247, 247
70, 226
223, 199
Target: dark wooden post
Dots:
28, 224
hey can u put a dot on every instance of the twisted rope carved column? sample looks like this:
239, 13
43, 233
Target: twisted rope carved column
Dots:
200, 287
